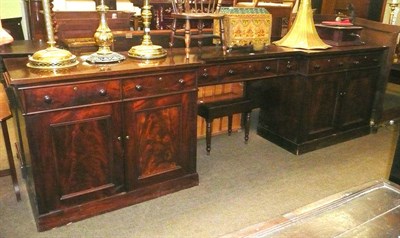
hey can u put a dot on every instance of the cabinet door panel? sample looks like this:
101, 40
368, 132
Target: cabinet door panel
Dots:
279, 102
80, 158
321, 101
160, 131
357, 97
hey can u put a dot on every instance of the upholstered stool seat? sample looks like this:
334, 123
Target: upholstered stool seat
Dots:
210, 111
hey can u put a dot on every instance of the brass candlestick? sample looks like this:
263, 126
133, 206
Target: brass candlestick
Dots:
393, 5
104, 39
147, 50
52, 57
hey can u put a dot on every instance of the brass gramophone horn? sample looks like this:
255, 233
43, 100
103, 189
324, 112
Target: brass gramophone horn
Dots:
303, 34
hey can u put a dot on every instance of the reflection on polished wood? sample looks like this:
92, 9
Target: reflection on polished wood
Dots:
395, 170
369, 210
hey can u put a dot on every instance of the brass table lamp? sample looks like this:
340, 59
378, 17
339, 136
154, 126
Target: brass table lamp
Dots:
52, 57
147, 50
104, 39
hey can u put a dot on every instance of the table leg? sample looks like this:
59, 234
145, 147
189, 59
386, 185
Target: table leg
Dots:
10, 159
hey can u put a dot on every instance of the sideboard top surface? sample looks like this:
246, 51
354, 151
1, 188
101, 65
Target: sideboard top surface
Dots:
21, 75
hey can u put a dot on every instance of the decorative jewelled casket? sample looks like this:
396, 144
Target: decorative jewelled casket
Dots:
246, 26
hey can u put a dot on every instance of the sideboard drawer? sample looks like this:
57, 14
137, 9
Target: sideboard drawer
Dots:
247, 70
327, 64
287, 66
160, 84
343, 62
267, 66
208, 74
236, 69
47, 98
365, 60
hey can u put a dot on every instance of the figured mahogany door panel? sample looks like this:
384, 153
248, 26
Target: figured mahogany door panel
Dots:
160, 134
356, 97
76, 154
321, 105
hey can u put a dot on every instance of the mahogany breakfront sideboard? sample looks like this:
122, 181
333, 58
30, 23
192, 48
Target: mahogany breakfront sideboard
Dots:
95, 138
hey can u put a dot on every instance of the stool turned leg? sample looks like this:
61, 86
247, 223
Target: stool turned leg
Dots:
10, 159
208, 136
172, 36
247, 127
230, 124
222, 35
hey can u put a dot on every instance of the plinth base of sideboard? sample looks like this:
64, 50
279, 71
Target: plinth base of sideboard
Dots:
82, 211
302, 148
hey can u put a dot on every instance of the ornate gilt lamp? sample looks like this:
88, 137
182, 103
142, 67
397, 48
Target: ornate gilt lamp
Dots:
52, 57
104, 39
147, 50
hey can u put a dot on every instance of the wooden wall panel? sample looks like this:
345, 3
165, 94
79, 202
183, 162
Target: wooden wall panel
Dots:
331, 7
